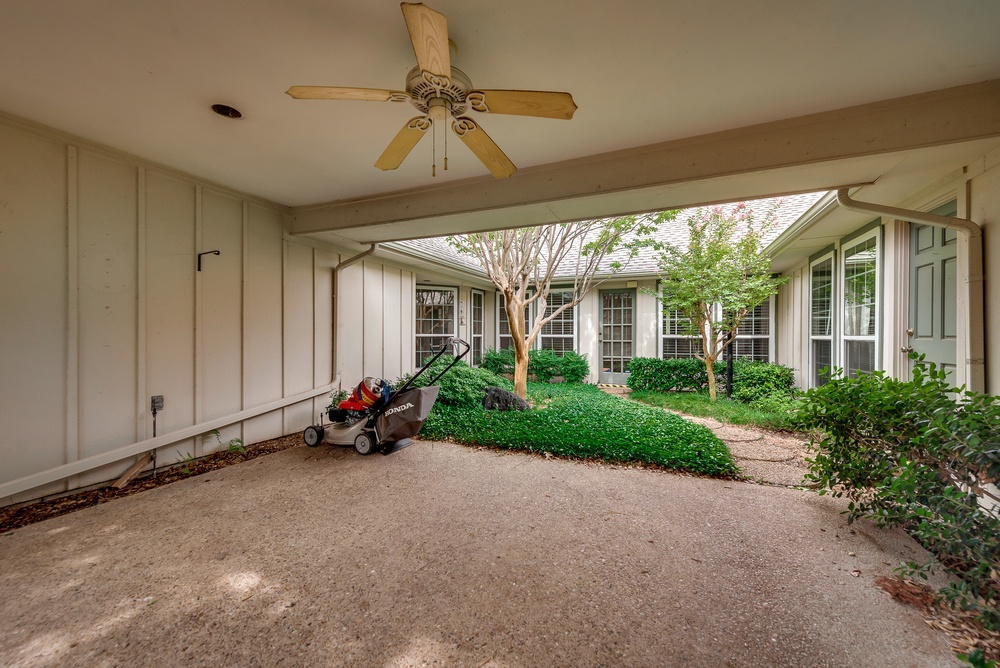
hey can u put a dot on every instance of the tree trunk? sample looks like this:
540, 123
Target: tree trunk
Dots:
516, 324
710, 368
521, 370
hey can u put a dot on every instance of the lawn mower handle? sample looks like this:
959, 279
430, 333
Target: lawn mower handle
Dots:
449, 343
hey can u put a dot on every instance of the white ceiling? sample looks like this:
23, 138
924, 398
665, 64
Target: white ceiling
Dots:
141, 77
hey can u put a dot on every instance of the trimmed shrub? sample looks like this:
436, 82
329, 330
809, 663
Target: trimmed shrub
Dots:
651, 374
462, 385
574, 367
906, 454
543, 364
754, 381
498, 361
581, 421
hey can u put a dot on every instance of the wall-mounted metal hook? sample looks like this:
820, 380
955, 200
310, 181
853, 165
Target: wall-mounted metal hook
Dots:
215, 252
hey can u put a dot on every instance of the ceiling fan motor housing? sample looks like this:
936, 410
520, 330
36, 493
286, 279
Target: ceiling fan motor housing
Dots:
427, 89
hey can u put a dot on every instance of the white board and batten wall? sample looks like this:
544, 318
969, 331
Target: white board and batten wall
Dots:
102, 308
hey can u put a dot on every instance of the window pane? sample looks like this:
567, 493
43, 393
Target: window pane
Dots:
860, 289
557, 335
435, 320
822, 355
860, 356
822, 298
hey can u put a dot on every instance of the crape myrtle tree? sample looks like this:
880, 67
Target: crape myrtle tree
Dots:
522, 262
722, 275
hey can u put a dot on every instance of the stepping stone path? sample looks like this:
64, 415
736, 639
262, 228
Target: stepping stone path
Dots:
766, 457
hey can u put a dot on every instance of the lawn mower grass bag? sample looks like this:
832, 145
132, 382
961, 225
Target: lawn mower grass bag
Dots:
405, 414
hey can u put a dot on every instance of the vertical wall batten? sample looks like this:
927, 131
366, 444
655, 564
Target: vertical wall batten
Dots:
199, 344
142, 424
244, 299
72, 448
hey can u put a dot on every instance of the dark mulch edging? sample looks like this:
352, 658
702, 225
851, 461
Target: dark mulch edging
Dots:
14, 517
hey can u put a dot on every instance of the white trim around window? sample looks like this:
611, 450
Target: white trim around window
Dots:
861, 302
823, 308
477, 326
435, 315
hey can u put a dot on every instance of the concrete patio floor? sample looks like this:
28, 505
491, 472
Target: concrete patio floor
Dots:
444, 555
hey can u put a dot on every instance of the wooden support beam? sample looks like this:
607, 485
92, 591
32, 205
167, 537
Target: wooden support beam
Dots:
133, 470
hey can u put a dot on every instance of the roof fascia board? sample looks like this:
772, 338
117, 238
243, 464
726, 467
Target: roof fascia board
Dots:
939, 117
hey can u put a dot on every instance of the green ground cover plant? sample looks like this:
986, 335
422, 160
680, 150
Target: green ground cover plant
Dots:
914, 454
581, 421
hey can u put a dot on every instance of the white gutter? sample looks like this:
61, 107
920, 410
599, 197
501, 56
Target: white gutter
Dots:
970, 266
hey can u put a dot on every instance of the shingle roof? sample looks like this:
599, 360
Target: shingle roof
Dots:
788, 210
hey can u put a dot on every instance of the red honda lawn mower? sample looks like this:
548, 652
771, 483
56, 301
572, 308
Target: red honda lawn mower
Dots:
377, 417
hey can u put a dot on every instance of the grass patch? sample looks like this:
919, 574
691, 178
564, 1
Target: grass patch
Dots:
580, 421
769, 415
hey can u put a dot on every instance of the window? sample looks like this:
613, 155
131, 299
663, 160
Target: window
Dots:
860, 306
821, 319
675, 342
435, 320
753, 336
476, 298
559, 335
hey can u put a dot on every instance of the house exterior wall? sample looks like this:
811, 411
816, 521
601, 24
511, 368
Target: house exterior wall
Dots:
977, 192
375, 322
103, 308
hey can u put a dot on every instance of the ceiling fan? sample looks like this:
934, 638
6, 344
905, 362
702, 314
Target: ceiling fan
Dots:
439, 90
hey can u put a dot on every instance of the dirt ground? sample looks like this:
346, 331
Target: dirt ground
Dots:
448, 555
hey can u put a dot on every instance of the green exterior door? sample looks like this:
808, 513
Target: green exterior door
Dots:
617, 335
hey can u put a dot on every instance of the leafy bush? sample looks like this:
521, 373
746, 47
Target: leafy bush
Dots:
544, 364
498, 361
574, 367
754, 380
462, 385
581, 421
652, 374
906, 454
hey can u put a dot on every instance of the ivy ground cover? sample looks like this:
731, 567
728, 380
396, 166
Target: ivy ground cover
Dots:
581, 421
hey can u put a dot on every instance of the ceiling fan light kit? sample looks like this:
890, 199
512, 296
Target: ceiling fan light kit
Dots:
440, 91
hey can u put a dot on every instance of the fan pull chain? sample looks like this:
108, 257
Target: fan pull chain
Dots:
446, 143
434, 145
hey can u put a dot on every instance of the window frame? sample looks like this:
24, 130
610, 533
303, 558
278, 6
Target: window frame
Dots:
574, 319
769, 336
843, 338
834, 309
454, 319
473, 293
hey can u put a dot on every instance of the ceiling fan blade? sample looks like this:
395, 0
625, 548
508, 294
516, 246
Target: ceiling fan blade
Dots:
545, 104
341, 93
404, 141
485, 148
429, 34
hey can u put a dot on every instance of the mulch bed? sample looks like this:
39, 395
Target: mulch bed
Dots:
17, 516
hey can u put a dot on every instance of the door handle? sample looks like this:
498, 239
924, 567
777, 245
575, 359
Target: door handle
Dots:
906, 349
